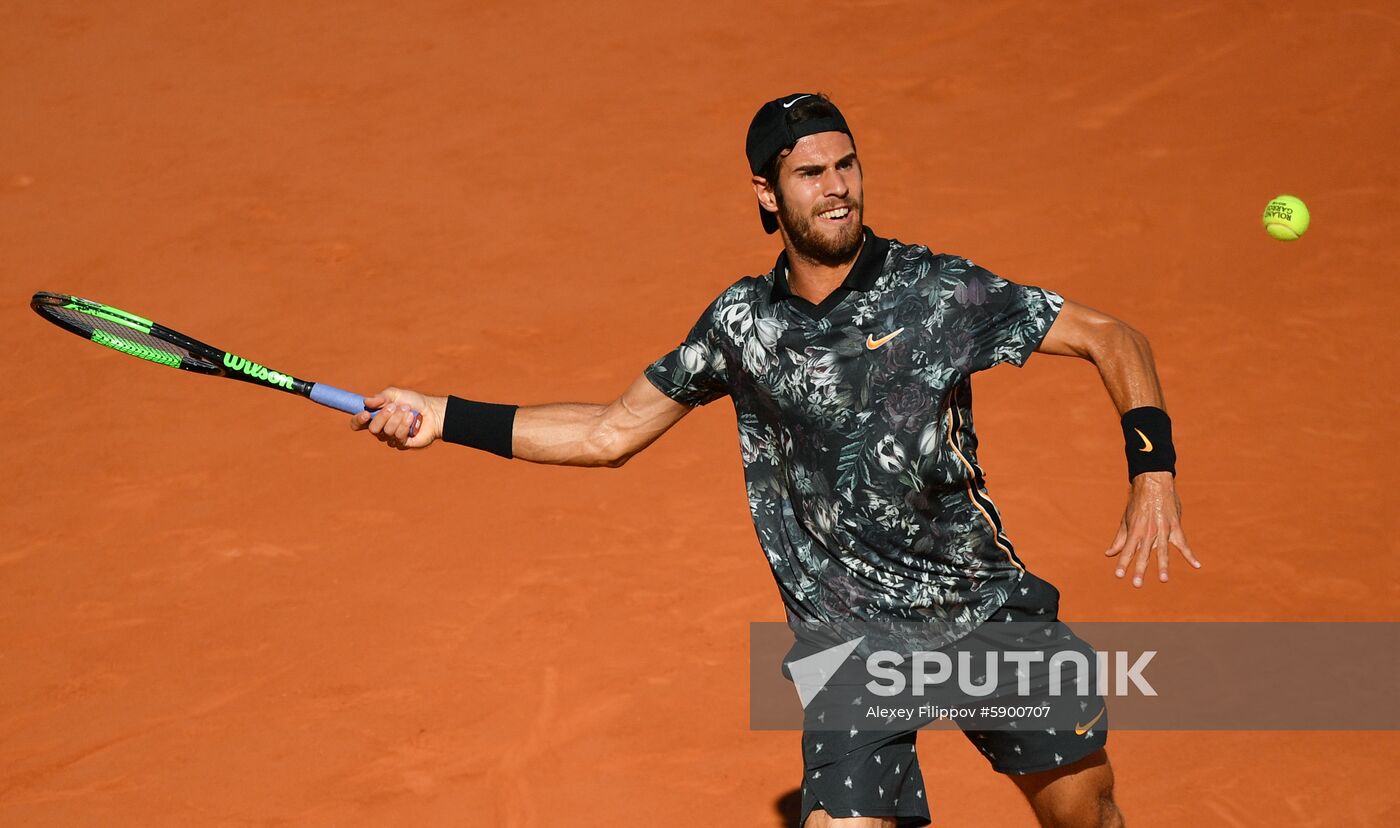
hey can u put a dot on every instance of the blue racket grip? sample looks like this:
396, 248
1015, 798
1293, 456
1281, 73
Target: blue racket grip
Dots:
349, 402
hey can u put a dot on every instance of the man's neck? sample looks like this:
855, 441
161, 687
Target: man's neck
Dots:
813, 280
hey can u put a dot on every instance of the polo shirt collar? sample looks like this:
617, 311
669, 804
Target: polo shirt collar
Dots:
861, 277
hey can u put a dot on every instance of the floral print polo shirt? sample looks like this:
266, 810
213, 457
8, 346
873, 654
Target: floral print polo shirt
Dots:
855, 429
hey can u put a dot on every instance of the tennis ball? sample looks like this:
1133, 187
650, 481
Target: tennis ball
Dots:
1286, 218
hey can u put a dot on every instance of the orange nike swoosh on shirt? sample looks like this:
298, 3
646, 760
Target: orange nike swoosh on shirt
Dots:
1146, 443
872, 343
1080, 730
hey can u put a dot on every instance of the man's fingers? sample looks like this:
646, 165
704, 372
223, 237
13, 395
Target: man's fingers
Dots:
1118, 540
1133, 546
1132, 540
380, 421
1130, 546
1179, 540
403, 422
1163, 553
1144, 554
393, 420
1151, 527
396, 424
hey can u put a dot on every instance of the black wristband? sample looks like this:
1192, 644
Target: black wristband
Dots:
1147, 439
485, 426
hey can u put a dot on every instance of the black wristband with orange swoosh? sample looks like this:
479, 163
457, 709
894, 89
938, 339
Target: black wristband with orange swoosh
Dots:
1147, 440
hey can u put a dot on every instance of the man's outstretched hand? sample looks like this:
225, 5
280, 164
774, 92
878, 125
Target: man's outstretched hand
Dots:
1151, 526
394, 421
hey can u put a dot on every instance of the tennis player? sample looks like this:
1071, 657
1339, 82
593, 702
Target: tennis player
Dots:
849, 365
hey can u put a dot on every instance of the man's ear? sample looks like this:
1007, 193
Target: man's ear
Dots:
767, 198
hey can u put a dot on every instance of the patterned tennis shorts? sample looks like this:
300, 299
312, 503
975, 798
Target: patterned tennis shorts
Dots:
875, 773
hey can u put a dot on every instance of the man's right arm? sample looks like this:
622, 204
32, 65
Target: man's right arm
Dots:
566, 434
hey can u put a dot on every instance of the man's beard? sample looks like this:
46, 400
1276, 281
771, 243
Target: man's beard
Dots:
816, 246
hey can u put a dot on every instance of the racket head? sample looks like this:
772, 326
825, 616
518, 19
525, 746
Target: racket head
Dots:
140, 337
126, 332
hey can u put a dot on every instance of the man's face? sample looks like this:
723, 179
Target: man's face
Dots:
821, 198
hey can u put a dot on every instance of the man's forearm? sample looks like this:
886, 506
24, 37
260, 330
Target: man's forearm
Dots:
564, 434
561, 434
1124, 359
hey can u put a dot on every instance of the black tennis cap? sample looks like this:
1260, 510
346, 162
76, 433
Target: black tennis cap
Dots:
778, 126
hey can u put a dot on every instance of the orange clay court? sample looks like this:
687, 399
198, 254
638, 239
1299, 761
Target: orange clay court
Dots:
218, 606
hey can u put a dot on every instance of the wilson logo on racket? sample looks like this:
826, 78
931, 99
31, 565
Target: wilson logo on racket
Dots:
257, 372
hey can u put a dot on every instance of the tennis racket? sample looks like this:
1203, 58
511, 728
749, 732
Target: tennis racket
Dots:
144, 339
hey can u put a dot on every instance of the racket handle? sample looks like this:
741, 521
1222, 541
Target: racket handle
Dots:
349, 402
337, 398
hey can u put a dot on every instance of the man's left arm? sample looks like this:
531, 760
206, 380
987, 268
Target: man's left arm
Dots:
1152, 520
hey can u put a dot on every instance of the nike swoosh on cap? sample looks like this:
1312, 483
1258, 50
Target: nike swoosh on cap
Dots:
789, 104
872, 343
